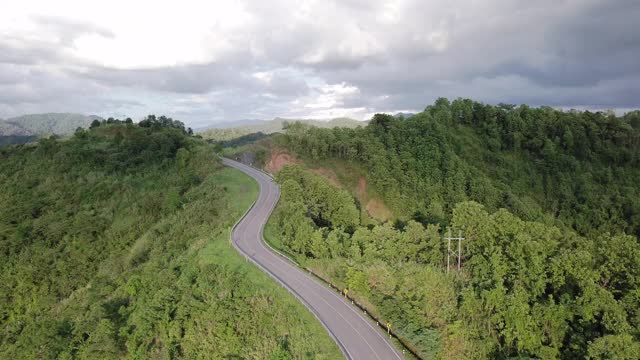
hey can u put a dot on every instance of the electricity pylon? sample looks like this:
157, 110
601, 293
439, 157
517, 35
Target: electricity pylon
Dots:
454, 252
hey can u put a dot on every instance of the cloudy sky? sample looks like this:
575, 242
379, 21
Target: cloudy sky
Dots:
210, 61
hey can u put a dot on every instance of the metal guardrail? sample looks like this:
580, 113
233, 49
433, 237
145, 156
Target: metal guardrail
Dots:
404, 342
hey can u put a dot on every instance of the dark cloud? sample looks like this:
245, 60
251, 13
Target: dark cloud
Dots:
198, 79
555, 53
15, 51
595, 44
399, 57
179, 79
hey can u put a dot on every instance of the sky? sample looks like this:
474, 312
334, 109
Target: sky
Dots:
211, 61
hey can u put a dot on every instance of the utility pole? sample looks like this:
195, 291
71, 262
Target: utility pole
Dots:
454, 252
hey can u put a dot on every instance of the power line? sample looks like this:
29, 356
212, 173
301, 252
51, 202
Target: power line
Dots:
454, 253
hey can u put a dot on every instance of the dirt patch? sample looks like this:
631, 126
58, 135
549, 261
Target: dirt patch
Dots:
330, 175
361, 188
278, 160
378, 210
374, 207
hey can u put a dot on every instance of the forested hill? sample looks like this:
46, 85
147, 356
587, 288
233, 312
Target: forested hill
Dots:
548, 203
579, 168
115, 244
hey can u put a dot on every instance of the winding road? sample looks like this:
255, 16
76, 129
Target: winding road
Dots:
356, 336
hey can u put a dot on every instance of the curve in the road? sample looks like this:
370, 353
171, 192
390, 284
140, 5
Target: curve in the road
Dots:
356, 336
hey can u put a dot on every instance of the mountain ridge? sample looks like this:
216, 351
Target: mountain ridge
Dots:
45, 124
273, 126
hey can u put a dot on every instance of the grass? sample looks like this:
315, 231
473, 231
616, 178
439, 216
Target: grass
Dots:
243, 187
299, 321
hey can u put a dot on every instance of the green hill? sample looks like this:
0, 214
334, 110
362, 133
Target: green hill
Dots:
548, 202
115, 243
273, 126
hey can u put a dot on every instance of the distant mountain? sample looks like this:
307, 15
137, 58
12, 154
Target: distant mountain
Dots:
27, 128
11, 129
404, 115
225, 131
237, 123
45, 124
227, 124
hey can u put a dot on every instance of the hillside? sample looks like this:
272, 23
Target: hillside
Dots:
547, 201
542, 164
273, 126
115, 243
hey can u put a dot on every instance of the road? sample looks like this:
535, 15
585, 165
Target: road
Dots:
355, 334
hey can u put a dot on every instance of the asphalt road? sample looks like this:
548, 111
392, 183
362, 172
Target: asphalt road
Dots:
356, 335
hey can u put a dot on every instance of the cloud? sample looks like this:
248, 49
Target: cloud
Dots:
66, 31
207, 62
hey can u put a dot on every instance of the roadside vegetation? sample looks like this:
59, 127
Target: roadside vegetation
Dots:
548, 203
115, 244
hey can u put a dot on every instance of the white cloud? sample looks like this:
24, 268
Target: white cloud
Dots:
143, 33
330, 96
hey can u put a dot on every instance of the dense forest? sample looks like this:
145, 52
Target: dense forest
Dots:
548, 202
114, 244
578, 168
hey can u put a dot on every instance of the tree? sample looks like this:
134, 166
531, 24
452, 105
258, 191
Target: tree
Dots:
543, 197
622, 347
101, 343
318, 247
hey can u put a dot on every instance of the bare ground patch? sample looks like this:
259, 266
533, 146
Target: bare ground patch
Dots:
278, 160
329, 174
374, 207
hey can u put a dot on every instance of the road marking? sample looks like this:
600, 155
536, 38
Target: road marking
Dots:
260, 205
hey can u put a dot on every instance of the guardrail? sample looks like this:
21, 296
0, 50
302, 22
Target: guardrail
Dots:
404, 342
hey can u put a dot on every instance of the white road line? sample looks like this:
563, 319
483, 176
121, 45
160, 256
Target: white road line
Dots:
258, 207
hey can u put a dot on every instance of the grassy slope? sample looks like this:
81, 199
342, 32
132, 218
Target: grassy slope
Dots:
219, 251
